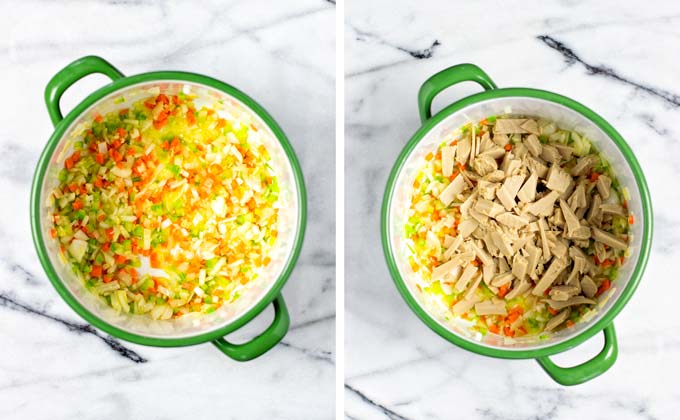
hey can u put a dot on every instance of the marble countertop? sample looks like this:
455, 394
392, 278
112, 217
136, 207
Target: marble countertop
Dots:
52, 364
620, 59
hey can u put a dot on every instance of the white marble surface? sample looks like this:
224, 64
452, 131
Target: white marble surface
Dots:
620, 59
54, 367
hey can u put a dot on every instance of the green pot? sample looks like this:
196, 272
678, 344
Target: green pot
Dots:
568, 113
186, 330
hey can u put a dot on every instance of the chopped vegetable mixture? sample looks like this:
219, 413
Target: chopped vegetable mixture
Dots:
187, 190
517, 226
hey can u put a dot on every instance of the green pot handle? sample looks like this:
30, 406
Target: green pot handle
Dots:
71, 74
447, 78
263, 342
587, 370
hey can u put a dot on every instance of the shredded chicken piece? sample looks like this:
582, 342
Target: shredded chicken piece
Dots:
589, 287
558, 180
604, 184
544, 206
465, 278
501, 279
510, 126
448, 154
558, 319
576, 300
555, 268
452, 190
609, 239
533, 144
489, 307
506, 194
485, 164
463, 151
563, 293
550, 154
488, 208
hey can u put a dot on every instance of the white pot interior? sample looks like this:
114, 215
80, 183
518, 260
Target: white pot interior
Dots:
253, 292
563, 117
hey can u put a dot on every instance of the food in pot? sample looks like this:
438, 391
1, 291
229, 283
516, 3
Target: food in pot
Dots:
517, 225
165, 209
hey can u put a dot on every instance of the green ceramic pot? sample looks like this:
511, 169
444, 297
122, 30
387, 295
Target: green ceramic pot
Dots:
566, 112
183, 332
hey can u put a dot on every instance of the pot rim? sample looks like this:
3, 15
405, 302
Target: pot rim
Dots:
607, 318
43, 163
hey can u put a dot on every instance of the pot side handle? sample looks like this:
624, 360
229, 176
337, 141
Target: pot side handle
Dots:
263, 342
447, 78
71, 74
587, 370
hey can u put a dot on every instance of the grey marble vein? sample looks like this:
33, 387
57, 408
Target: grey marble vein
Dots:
114, 344
570, 57
389, 413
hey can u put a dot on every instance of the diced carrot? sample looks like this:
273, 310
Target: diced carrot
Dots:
149, 104
604, 286
512, 317
75, 157
162, 98
98, 118
96, 271
100, 158
106, 247
175, 144
191, 117
508, 147
508, 331
522, 331
108, 278
117, 157
631, 219
594, 176
517, 309
570, 323
453, 143
494, 328
116, 144
120, 259
53, 233
552, 311
68, 163
547, 291
99, 182
121, 132
123, 111
109, 233
503, 290
155, 260
77, 205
